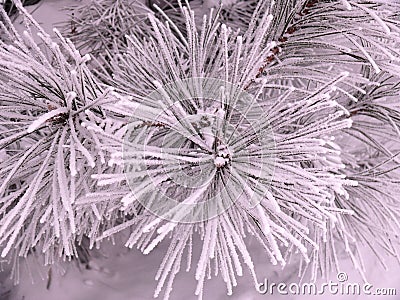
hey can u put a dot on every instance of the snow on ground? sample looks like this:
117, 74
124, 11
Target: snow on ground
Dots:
129, 275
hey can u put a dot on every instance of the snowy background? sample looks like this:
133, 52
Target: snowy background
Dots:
122, 274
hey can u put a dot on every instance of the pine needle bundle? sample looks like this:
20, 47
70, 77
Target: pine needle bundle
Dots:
100, 27
287, 191
47, 103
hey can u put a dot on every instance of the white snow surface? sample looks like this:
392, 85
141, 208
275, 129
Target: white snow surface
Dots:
123, 274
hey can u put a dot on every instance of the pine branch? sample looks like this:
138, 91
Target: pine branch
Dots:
47, 103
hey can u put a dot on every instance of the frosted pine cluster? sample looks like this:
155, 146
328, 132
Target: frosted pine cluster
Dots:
205, 126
